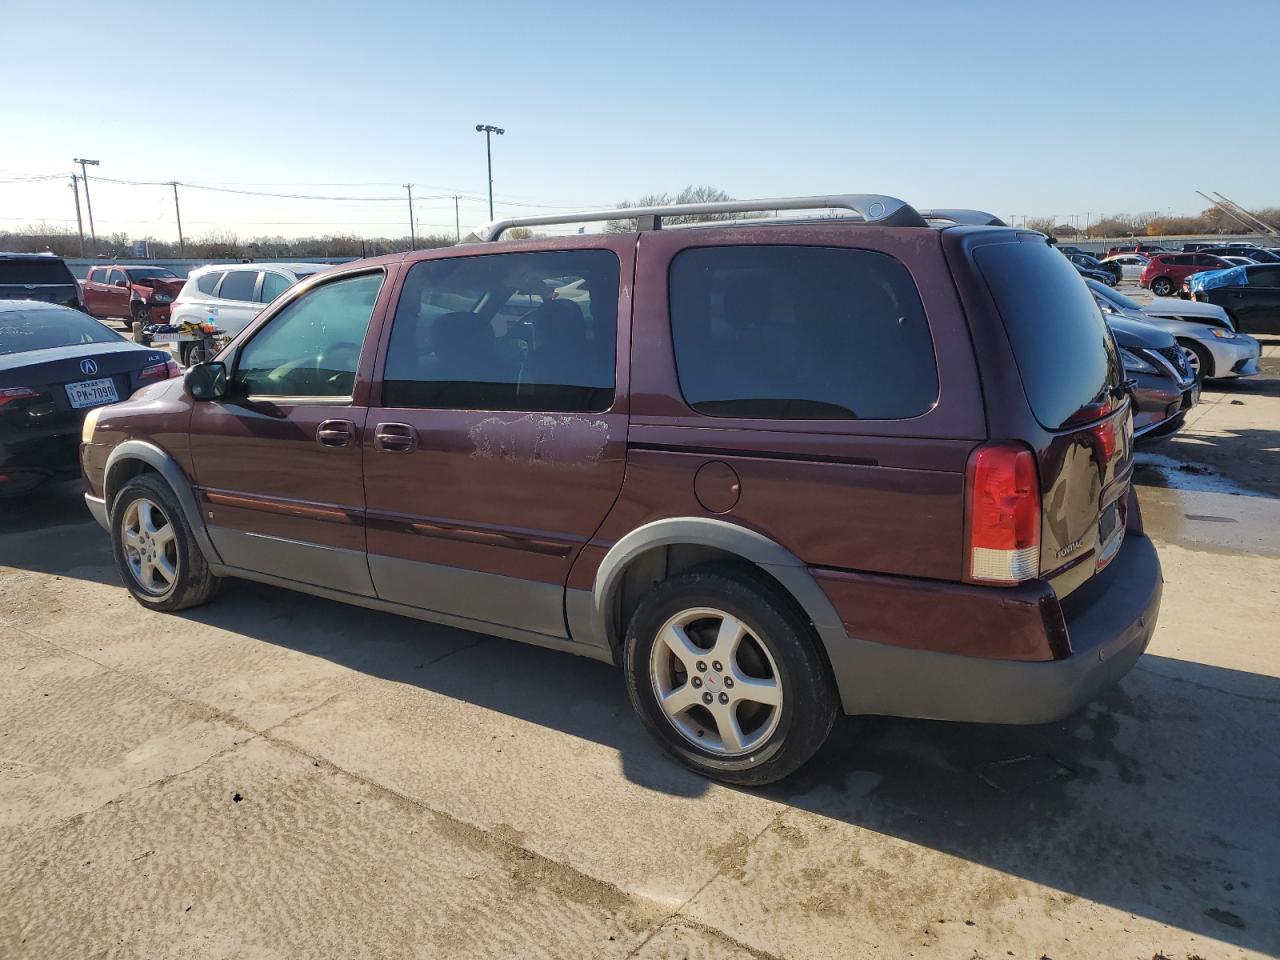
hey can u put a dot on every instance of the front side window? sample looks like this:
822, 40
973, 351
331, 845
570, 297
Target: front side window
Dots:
801, 333
510, 331
311, 348
238, 285
116, 276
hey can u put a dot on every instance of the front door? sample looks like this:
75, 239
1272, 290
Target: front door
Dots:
278, 463
497, 445
116, 295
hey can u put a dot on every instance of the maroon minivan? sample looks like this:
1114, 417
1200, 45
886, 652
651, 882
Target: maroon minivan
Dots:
775, 469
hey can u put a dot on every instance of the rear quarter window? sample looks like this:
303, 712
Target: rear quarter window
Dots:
1066, 356
207, 282
801, 333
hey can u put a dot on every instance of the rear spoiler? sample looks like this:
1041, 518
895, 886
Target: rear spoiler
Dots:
973, 218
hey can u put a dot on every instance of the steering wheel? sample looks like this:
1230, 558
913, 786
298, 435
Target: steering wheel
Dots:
342, 356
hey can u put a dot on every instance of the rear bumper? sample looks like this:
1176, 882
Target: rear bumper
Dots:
50, 454
1109, 624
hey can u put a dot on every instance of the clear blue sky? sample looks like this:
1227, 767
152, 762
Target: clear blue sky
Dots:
1019, 107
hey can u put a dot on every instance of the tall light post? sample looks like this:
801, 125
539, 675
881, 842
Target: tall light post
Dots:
87, 202
488, 129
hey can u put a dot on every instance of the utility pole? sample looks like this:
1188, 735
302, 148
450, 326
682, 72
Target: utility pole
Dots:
457, 220
93, 234
413, 237
178, 213
487, 129
75, 189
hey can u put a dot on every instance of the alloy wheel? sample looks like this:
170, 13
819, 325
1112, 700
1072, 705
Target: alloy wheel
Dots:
716, 681
150, 546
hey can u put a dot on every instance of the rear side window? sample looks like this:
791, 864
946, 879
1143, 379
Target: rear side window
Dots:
801, 333
510, 331
1267, 276
207, 282
238, 285
1064, 350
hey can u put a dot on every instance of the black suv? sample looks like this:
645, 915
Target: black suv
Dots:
38, 276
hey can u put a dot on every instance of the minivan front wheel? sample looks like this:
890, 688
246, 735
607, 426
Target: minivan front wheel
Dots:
154, 550
726, 673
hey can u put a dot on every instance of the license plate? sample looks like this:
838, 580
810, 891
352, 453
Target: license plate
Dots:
171, 338
1110, 535
91, 393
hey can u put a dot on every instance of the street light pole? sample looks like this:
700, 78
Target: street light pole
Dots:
84, 175
457, 220
487, 129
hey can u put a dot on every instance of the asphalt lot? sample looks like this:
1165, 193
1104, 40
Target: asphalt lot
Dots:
278, 776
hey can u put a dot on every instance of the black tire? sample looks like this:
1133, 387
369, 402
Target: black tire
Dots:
808, 695
193, 583
140, 315
198, 353
1203, 358
1162, 286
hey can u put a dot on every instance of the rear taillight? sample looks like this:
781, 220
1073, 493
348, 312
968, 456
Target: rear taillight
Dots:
10, 395
159, 371
1004, 514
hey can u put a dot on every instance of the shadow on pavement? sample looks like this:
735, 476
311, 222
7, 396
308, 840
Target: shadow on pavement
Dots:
1159, 799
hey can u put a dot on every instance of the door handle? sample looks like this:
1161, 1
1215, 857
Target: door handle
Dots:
335, 433
395, 438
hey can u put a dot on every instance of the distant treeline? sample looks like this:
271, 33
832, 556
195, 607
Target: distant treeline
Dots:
1154, 224
221, 244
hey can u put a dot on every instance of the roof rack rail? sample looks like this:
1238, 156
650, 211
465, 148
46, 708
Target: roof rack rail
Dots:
958, 215
871, 207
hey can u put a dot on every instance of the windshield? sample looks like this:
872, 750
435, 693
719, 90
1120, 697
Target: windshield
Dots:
1119, 299
137, 274
36, 270
24, 330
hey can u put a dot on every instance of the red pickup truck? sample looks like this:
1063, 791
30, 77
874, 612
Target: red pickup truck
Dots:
130, 293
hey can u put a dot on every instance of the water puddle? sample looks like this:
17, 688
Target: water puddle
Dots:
1192, 505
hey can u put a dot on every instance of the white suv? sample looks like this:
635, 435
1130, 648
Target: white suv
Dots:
230, 295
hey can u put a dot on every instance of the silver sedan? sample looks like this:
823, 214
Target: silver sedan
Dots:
1213, 347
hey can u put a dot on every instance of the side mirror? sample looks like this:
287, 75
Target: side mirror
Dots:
121, 283
206, 381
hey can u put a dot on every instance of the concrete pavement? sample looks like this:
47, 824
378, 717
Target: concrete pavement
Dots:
278, 776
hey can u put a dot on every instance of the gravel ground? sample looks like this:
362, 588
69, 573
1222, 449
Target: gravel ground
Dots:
279, 776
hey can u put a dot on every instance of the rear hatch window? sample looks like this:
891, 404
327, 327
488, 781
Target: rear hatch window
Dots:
1072, 375
36, 270
1070, 368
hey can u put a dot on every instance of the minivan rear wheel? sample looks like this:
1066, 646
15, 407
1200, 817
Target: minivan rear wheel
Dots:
154, 549
1162, 286
727, 675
